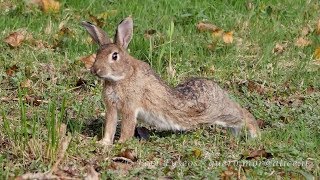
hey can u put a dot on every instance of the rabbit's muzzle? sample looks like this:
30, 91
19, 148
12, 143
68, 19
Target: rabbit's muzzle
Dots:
95, 71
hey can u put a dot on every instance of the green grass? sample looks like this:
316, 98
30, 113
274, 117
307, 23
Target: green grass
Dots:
289, 103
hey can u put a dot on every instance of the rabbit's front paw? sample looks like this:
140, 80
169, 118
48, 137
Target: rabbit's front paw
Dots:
105, 142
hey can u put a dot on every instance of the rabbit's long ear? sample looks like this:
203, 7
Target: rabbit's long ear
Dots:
124, 32
97, 34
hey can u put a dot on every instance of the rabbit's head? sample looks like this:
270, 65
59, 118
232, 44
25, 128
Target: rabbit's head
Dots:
112, 62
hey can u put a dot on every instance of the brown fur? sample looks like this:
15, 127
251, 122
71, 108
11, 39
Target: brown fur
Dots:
133, 89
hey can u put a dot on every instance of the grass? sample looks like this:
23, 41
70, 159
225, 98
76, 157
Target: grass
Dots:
288, 103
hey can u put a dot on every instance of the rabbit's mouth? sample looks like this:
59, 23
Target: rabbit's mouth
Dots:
111, 77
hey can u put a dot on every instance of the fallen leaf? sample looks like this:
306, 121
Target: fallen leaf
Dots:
97, 21
122, 160
50, 5
261, 123
39, 44
228, 37
229, 173
88, 61
317, 53
318, 27
129, 154
34, 100
26, 83
142, 133
15, 39
311, 89
255, 87
11, 70
279, 48
124, 167
217, 33
302, 42
202, 26
256, 154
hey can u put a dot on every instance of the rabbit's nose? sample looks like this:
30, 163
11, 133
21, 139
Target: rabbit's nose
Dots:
95, 70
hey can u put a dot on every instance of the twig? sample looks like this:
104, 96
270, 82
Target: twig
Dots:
62, 148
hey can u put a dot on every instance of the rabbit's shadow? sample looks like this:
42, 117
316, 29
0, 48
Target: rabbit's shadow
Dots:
94, 127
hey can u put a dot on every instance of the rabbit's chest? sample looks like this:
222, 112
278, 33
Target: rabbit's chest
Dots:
119, 95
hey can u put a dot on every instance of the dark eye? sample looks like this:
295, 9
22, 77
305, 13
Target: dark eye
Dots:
115, 56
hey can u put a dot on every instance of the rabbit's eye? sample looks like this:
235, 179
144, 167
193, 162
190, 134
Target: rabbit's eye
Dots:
115, 56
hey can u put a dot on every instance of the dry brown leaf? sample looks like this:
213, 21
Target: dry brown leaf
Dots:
229, 173
26, 83
255, 87
129, 154
11, 70
15, 39
98, 21
50, 5
228, 37
279, 48
318, 27
217, 33
317, 53
123, 167
202, 26
302, 42
39, 44
34, 100
256, 154
261, 123
88, 60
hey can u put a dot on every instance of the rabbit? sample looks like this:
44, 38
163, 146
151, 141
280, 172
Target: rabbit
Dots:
131, 88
